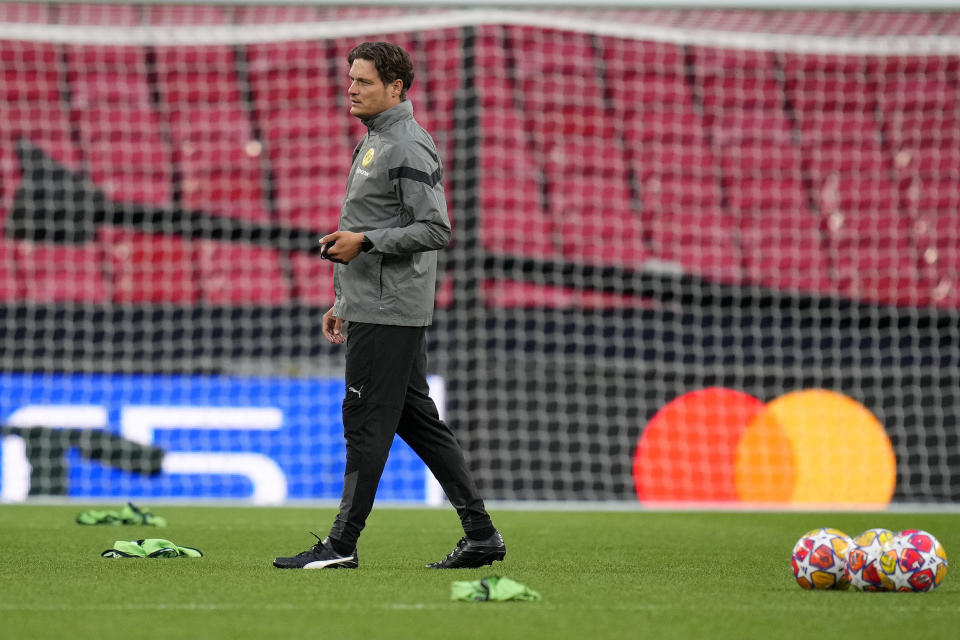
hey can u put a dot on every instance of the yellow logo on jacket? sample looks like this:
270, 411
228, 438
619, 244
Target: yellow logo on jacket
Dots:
368, 157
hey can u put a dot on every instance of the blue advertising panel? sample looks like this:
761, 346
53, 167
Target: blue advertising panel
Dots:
262, 439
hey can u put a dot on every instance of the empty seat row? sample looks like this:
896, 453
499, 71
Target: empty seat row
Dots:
594, 150
126, 267
809, 181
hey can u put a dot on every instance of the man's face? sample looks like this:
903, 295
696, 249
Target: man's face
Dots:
368, 95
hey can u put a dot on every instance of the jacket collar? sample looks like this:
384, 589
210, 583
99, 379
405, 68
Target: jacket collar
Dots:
392, 115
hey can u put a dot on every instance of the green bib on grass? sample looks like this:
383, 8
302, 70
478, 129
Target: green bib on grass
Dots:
492, 589
127, 515
150, 548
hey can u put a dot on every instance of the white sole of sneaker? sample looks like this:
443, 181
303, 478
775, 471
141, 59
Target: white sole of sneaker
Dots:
333, 563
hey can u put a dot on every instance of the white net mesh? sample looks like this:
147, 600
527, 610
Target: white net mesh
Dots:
647, 203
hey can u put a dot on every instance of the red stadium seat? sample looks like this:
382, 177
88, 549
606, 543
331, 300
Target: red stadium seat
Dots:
598, 219
107, 74
220, 161
674, 142
11, 284
493, 84
921, 124
938, 243
735, 79
211, 132
578, 111
310, 155
189, 75
673, 166
816, 83
552, 52
767, 196
306, 199
666, 124
442, 59
651, 92
932, 196
835, 141
46, 125
740, 91
628, 58
712, 61
312, 279
123, 146
9, 178
514, 220
934, 161
126, 153
921, 116
294, 75
919, 130
855, 195
765, 230
813, 64
56, 273
150, 268
656, 159
240, 274
561, 91
755, 143
882, 271
872, 238
905, 93
839, 101
791, 254
30, 102
29, 72
495, 90
686, 225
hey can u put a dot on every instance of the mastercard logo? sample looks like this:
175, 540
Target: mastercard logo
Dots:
811, 448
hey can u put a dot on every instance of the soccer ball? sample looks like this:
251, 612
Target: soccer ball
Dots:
914, 561
820, 559
863, 560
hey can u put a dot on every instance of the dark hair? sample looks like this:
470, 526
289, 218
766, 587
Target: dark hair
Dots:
391, 61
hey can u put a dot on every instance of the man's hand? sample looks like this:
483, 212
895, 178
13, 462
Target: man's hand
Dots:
347, 247
332, 328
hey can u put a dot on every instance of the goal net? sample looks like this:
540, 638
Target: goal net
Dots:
700, 256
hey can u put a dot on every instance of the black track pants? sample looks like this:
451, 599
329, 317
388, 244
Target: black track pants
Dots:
387, 394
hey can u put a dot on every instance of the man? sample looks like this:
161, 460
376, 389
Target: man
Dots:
392, 223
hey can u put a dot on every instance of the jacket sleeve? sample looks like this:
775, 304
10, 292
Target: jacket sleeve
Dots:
417, 178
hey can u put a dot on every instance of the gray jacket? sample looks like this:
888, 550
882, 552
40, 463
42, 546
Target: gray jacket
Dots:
395, 198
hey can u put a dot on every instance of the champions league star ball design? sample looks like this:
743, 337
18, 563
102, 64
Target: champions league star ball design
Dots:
863, 566
819, 559
914, 561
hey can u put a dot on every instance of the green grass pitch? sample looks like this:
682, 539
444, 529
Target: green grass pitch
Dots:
619, 574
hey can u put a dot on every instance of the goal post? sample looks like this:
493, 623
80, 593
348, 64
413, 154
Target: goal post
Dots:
700, 256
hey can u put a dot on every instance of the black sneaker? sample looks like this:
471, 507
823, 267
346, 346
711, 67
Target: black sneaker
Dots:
470, 554
319, 556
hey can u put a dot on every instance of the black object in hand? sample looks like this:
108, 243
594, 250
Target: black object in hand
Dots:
325, 249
